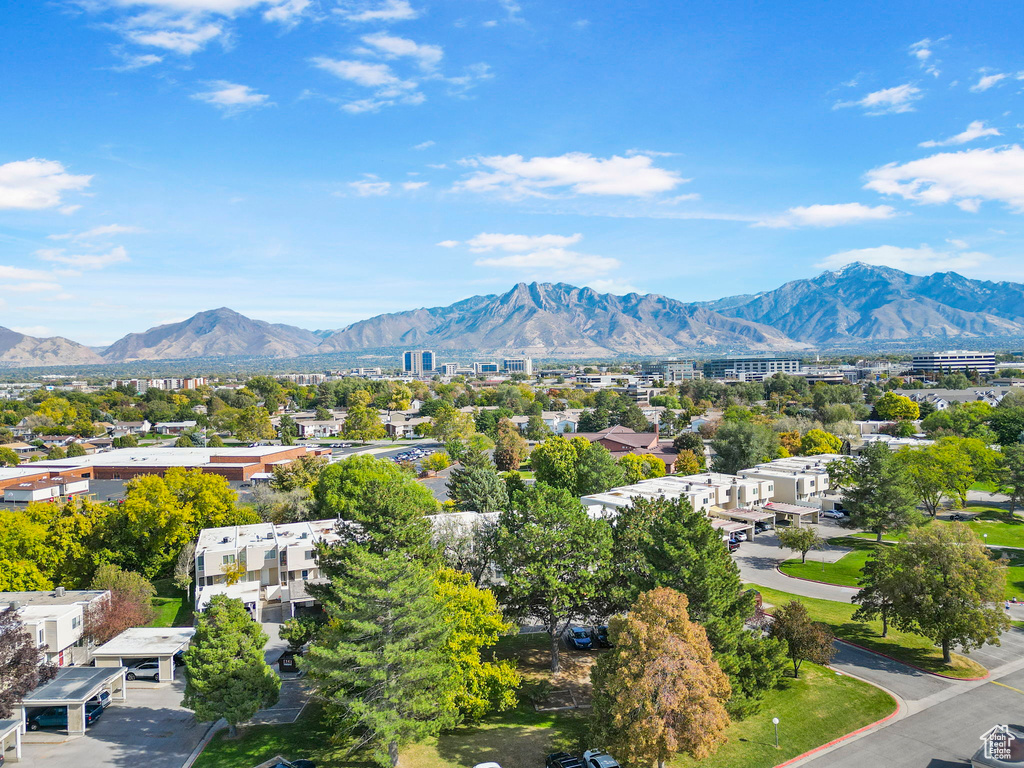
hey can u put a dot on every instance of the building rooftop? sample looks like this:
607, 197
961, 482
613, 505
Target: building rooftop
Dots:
69, 597
72, 685
155, 641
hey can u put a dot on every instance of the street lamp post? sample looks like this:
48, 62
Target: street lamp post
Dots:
775, 722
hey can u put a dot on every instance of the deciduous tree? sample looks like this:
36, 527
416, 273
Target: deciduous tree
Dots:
878, 588
554, 558
253, 424
658, 692
510, 446
23, 667
893, 407
741, 445
801, 540
362, 422
805, 640
130, 604
817, 442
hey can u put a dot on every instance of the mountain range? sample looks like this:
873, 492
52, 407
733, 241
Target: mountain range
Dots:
859, 303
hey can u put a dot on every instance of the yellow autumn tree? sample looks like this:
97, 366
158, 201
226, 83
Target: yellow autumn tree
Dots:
658, 692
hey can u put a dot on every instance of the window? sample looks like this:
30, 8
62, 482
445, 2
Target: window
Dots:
200, 563
305, 575
76, 622
309, 554
229, 559
41, 637
269, 555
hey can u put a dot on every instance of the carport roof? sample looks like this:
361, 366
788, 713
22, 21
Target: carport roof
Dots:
790, 509
72, 685
147, 641
750, 515
6, 726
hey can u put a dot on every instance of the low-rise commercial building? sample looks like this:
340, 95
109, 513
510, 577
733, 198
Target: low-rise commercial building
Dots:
672, 371
936, 364
56, 620
750, 368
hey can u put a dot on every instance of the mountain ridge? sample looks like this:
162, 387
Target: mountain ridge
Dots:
858, 303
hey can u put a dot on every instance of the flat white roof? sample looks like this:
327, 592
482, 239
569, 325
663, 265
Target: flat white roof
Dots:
159, 456
147, 641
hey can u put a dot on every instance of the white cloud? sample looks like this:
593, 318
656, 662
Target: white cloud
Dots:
101, 231
988, 81
923, 260
828, 215
485, 242
540, 257
389, 10
20, 273
572, 173
965, 178
117, 255
412, 186
139, 61
389, 89
36, 183
975, 130
888, 101
32, 287
425, 144
427, 56
183, 42
923, 51
232, 98
370, 187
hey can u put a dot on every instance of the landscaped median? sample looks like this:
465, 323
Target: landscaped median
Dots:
813, 710
912, 649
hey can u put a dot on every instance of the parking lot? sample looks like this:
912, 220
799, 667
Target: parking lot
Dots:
150, 729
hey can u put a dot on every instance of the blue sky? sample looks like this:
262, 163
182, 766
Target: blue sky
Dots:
316, 163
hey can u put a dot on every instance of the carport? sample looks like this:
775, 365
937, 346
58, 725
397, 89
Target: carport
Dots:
72, 687
796, 514
749, 517
145, 643
727, 528
10, 740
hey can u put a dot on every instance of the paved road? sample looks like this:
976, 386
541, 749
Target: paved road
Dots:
943, 735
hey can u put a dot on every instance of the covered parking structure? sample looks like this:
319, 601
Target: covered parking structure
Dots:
10, 740
144, 644
72, 688
749, 517
797, 515
729, 528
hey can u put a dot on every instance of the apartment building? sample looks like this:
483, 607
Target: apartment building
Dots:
700, 495
733, 492
796, 479
56, 619
278, 559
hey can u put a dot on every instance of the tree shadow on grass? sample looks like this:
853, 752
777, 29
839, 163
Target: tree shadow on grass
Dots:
519, 745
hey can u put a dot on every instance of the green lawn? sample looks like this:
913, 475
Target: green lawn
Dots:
171, 606
845, 572
813, 710
1003, 528
905, 646
1015, 576
986, 485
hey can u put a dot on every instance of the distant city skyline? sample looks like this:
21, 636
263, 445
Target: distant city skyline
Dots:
316, 164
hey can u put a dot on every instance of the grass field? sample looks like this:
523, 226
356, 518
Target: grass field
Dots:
905, 646
845, 572
1003, 528
171, 606
813, 710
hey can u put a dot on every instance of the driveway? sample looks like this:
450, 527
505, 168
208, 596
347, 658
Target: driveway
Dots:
150, 729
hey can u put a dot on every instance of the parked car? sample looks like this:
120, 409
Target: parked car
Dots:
600, 636
562, 760
739, 536
179, 659
57, 717
579, 638
733, 545
958, 517
762, 527
101, 700
150, 669
598, 758
835, 514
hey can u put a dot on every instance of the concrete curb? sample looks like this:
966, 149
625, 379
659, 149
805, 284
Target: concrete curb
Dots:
850, 735
986, 676
218, 726
813, 581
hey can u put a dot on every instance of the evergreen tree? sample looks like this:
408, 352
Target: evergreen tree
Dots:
225, 671
476, 485
379, 663
596, 470
877, 491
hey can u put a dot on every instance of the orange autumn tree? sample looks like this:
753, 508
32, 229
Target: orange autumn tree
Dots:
658, 692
